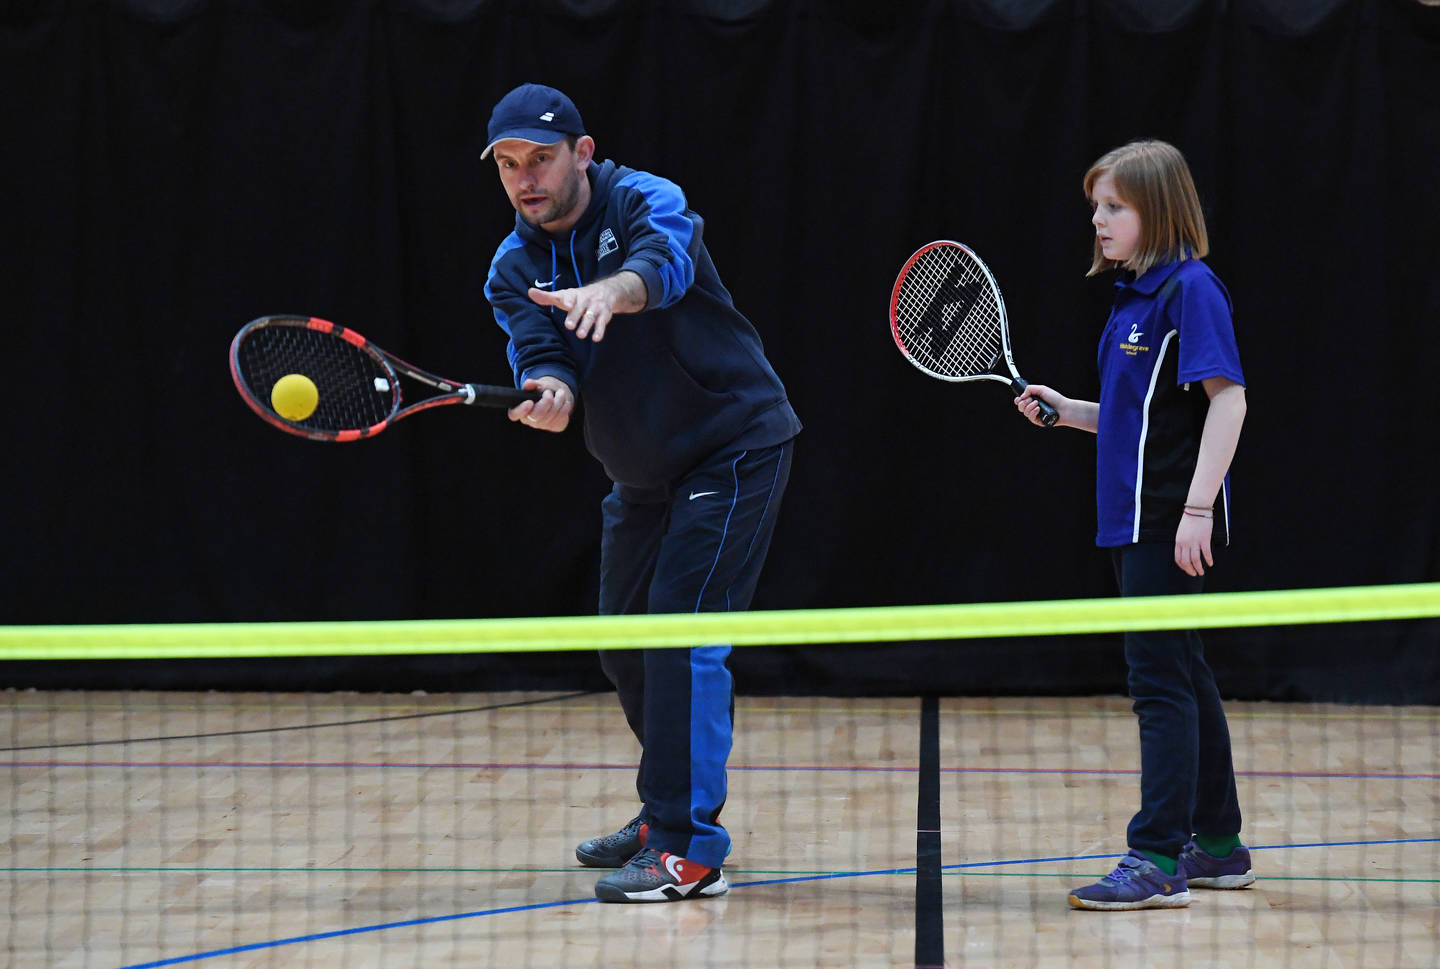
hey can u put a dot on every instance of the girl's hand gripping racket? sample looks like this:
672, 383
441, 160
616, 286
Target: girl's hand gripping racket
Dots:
948, 318
314, 379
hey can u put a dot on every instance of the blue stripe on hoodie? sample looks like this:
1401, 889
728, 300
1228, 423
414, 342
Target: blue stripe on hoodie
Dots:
669, 217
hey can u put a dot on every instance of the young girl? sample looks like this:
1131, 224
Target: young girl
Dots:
1172, 399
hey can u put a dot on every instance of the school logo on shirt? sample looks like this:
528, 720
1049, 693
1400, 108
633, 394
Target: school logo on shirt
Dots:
607, 244
1133, 346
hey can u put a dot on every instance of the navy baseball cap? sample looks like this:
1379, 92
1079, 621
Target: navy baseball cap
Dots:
533, 112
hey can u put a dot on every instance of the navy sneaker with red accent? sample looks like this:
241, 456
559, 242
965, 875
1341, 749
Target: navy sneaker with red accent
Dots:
658, 876
613, 850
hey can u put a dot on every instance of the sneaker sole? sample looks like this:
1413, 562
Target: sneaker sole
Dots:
1224, 881
665, 893
1178, 900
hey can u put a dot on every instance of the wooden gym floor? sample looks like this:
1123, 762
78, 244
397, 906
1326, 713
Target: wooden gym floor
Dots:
228, 830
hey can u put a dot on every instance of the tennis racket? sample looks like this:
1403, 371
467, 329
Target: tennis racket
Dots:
948, 319
355, 386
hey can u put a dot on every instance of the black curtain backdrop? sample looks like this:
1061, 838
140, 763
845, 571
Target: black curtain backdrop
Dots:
174, 168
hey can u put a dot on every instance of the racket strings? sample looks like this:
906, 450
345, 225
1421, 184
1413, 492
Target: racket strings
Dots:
948, 315
355, 390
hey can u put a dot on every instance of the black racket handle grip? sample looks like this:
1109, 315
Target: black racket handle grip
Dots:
486, 395
1048, 414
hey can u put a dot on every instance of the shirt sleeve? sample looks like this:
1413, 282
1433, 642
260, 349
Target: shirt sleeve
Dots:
661, 230
1207, 331
536, 348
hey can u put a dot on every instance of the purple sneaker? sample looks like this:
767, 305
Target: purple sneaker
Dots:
1137, 883
1204, 870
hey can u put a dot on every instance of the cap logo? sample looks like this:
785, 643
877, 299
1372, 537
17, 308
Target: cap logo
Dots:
548, 116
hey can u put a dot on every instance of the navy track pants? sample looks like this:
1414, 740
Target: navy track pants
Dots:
697, 549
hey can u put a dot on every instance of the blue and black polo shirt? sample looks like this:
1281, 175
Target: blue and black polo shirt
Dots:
1169, 330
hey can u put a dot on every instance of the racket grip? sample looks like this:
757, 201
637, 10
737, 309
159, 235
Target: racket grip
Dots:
486, 395
1048, 414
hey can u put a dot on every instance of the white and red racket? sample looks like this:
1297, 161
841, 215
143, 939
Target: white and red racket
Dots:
948, 319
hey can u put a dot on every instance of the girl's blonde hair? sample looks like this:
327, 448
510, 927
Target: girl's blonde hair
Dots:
1153, 178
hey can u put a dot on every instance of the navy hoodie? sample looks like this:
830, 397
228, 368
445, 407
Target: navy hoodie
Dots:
668, 388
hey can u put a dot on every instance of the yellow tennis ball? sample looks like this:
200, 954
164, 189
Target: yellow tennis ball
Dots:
294, 397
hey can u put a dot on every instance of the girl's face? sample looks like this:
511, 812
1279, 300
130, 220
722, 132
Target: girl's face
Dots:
1117, 224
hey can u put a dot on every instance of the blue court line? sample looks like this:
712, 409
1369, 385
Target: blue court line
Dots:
340, 933
408, 923
790, 880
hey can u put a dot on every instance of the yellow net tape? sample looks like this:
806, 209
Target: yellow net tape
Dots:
772, 627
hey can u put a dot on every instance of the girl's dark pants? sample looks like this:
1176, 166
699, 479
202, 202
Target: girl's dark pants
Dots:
1187, 777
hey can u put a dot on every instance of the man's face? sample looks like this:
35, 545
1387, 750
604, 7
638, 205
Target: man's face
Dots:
546, 183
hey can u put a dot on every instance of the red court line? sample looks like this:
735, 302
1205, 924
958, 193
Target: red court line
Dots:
814, 768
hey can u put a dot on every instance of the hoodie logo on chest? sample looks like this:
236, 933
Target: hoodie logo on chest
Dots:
607, 244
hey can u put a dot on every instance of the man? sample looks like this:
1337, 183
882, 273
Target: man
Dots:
608, 294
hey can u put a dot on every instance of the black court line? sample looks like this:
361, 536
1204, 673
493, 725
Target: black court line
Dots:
929, 913
303, 726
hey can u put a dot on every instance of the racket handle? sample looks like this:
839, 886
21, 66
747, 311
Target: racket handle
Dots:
1048, 414
486, 395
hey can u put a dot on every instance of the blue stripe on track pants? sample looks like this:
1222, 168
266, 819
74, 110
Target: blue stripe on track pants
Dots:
697, 549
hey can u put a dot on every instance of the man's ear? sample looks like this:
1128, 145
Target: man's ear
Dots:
584, 150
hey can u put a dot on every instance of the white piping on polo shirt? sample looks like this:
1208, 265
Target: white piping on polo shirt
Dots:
1145, 430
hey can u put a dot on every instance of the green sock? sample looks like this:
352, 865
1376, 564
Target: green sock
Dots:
1218, 847
1164, 862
